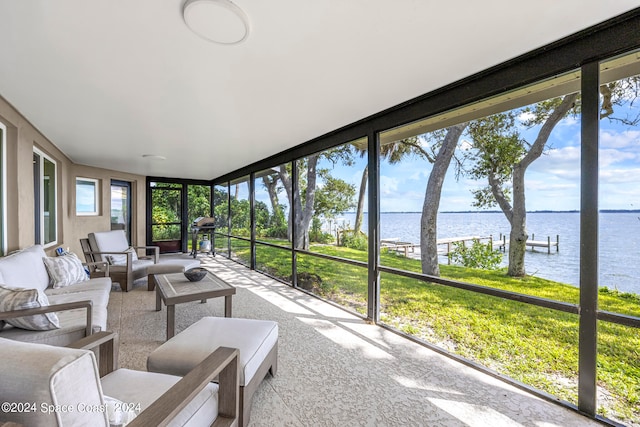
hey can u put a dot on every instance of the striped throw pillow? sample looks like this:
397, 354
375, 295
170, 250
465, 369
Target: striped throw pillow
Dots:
17, 299
65, 270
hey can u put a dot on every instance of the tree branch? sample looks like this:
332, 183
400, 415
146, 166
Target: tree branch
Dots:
543, 136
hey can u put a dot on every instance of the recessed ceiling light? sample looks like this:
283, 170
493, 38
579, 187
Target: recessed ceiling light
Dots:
218, 21
154, 157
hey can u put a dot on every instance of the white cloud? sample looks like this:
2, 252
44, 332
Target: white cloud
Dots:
388, 185
560, 162
621, 176
556, 188
608, 157
565, 154
569, 121
627, 138
420, 175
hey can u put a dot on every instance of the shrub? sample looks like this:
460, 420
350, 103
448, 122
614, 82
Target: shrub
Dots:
354, 240
317, 235
277, 231
478, 255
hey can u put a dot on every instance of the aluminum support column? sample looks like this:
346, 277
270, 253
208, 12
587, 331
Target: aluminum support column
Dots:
588, 332
373, 223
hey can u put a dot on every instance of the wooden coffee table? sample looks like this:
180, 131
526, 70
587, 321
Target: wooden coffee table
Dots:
176, 288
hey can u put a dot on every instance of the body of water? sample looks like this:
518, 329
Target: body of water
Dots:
619, 254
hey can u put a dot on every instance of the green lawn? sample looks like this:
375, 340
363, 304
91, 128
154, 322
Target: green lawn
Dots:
535, 345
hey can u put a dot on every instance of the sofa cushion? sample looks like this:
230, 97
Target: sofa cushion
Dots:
72, 328
25, 269
72, 322
102, 284
145, 387
17, 299
97, 297
65, 270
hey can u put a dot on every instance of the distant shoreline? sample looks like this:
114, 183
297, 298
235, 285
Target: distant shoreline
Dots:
482, 212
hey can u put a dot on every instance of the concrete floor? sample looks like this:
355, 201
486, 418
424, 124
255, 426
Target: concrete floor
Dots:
334, 369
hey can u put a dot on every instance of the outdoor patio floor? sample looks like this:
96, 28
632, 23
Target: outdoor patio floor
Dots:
334, 369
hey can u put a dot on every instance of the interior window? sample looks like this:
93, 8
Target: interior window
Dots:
87, 199
45, 199
3, 192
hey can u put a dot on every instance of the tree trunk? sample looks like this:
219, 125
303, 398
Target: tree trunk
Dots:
288, 188
301, 216
518, 236
304, 215
270, 183
429, 219
363, 191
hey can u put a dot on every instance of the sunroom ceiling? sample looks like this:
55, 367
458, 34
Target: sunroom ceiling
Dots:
108, 81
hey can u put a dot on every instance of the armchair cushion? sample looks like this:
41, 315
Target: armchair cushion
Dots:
17, 299
65, 387
117, 259
108, 241
50, 377
65, 270
138, 267
119, 413
145, 387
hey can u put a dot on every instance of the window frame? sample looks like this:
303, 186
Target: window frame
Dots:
3, 189
96, 196
41, 238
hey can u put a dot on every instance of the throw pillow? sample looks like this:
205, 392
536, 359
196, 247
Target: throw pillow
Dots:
18, 298
117, 259
65, 270
118, 412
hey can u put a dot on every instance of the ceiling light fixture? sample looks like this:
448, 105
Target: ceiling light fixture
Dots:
218, 21
154, 157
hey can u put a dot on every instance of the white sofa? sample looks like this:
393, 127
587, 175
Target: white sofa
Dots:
81, 308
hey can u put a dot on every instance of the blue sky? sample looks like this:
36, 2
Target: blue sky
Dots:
552, 182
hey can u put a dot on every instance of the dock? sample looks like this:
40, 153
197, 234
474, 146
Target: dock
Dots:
394, 244
451, 240
533, 244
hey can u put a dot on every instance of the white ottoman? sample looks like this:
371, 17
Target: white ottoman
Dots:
257, 341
